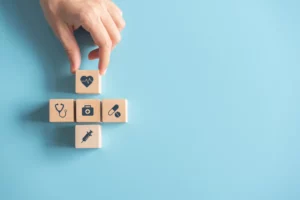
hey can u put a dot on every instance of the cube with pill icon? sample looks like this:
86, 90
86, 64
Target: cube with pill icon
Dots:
87, 82
61, 110
88, 136
114, 110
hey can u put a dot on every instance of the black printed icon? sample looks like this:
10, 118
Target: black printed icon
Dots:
59, 108
87, 110
113, 111
86, 80
87, 136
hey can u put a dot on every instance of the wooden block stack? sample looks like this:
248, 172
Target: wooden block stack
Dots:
88, 110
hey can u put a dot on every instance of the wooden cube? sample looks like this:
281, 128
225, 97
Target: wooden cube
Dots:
61, 110
88, 136
114, 110
88, 82
88, 110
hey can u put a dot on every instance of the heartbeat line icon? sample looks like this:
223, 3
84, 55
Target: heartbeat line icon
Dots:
86, 81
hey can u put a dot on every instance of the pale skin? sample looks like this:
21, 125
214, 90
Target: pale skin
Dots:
101, 18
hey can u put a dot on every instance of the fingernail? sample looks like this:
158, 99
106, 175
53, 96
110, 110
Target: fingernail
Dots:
104, 72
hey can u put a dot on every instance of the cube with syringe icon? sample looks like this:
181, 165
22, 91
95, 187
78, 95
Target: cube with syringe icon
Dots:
88, 136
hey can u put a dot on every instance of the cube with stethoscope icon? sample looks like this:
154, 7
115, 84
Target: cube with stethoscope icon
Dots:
61, 110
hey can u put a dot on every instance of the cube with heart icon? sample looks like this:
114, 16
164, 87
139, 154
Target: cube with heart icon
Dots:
88, 82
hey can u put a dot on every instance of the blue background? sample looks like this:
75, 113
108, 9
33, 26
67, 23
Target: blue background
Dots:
213, 90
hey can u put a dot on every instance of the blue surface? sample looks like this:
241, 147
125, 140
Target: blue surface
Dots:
214, 105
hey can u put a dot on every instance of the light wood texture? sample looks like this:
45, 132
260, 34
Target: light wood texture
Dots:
88, 82
61, 110
114, 110
88, 110
88, 136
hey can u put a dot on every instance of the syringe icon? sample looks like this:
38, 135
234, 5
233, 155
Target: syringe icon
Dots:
87, 135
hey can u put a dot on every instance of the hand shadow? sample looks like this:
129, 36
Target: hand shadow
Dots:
63, 137
58, 139
59, 135
60, 143
26, 18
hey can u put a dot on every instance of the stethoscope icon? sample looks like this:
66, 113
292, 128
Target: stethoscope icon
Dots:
60, 110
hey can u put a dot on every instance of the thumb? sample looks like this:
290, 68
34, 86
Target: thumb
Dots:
66, 36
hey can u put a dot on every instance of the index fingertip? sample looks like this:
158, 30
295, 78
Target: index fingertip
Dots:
102, 70
73, 69
103, 61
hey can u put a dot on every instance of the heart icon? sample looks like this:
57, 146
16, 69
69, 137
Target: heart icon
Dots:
86, 81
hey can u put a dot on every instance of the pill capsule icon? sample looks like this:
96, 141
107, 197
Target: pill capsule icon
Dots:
113, 110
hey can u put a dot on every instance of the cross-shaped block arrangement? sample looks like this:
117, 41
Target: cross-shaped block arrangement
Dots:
88, 110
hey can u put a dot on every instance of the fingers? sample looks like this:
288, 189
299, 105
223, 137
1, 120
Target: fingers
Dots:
101, 39
94, 54
116, 15
65, 35
111, 28
111, 5
104, 56
105, 30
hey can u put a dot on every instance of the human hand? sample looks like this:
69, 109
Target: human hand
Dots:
102, 18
